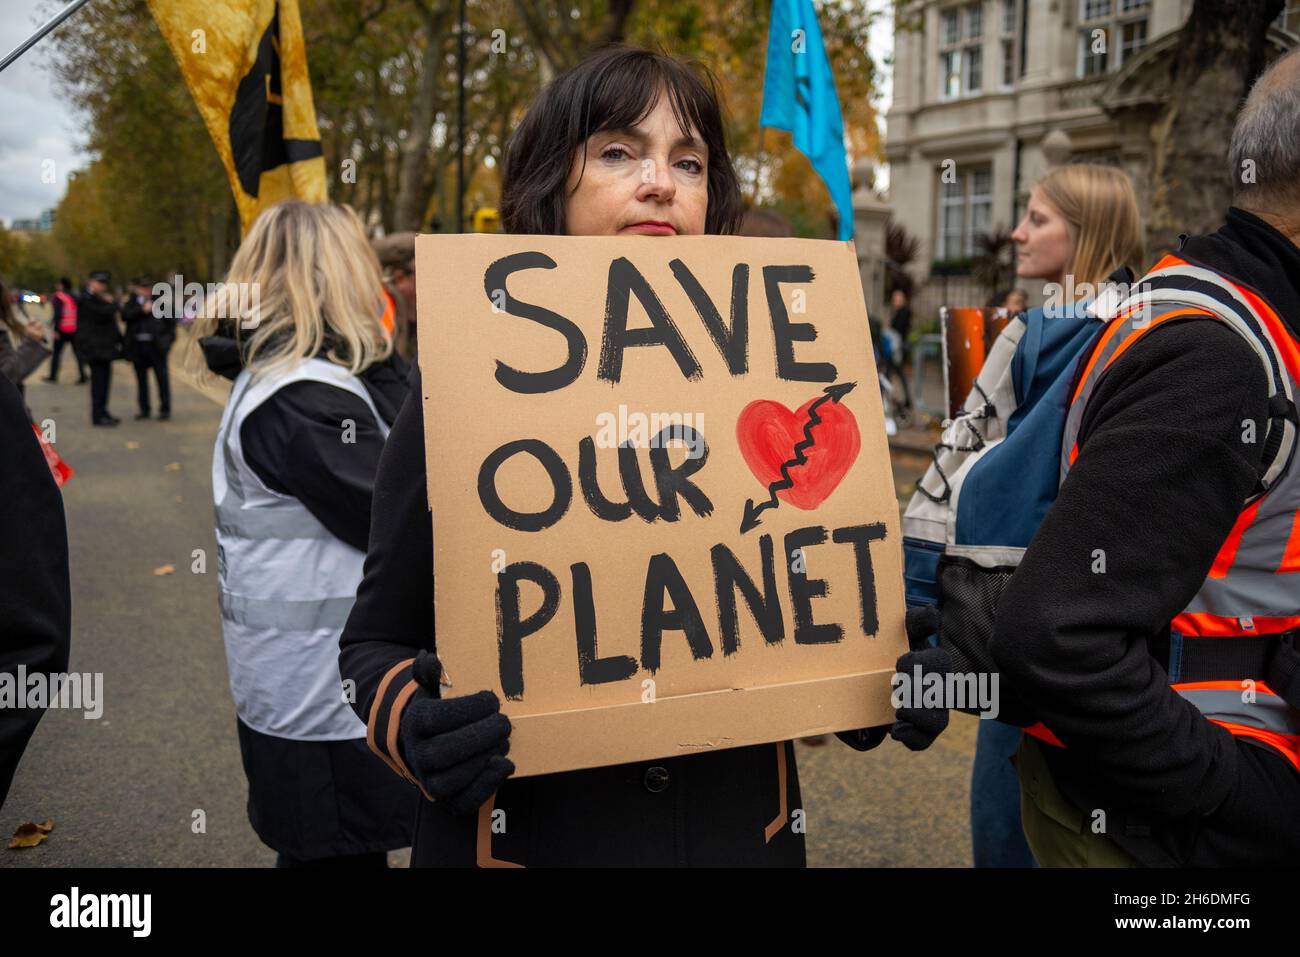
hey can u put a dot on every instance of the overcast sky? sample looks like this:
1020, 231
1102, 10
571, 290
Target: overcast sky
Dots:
37, 125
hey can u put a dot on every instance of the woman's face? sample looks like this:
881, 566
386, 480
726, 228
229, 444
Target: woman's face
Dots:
649, 180
1045, 241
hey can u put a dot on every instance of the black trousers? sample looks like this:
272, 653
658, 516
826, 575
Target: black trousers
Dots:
149, 356
60, 340
101, 377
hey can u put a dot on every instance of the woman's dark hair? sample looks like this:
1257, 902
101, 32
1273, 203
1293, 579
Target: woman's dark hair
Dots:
614, 88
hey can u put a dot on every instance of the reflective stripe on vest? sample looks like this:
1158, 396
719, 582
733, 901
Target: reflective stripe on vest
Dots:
286, 584
1249, 589
1250, 710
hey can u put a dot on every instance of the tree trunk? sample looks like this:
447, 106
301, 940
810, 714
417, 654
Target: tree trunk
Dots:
1221, 51
414, 151
615, 26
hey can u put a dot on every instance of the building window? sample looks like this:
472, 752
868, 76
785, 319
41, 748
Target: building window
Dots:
1008, 43
1133, 38
950, 75
951, 26
1289, 18
1104, 23
965, 210
961, 62
1094, 47
974, 69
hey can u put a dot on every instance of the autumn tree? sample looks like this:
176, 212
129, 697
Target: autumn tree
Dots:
384, 79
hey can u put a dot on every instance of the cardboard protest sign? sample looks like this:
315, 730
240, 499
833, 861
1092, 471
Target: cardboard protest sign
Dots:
664, 516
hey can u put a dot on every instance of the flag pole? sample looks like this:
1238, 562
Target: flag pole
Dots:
31, 41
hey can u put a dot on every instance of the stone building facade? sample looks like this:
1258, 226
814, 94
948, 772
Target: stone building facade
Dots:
993, 93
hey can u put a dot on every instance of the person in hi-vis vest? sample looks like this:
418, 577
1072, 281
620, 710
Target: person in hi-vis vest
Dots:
315, 389
1151, 626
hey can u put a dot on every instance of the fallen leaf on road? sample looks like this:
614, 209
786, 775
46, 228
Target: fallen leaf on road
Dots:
133, 445
164, 570
30, 834
172, 467
180, 498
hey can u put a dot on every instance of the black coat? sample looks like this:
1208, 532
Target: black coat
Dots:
162, 329
722, 808
99, 338
35, 600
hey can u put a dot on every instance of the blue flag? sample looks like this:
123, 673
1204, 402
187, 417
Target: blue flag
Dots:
799, 96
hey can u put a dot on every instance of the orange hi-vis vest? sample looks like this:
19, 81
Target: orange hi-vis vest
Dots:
67, 312
1232, 651
387, 311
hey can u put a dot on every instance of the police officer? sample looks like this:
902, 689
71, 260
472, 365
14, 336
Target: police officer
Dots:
149, 338
99, 341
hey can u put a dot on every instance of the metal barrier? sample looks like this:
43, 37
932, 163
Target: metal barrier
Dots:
929, 393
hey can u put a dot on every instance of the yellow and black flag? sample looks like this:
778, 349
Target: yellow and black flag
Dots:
245, 62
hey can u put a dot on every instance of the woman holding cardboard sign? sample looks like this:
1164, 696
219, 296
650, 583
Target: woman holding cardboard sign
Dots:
627, 142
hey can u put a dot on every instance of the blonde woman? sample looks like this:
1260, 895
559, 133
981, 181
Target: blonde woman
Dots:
1081, 230
316, 388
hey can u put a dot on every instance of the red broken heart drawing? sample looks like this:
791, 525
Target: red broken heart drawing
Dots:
768, 432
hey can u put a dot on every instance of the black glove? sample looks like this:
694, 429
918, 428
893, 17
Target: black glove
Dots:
917, 728
455, 747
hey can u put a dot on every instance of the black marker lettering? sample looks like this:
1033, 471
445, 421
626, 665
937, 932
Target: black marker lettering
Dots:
733, 343
624, 279
671, 482
511, 630
729, 575
531, 383
555, 471
593, 670
803, 589
862, 536
787, 333
662, 580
